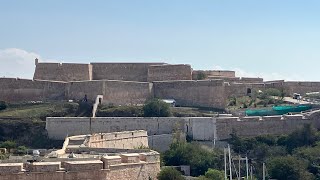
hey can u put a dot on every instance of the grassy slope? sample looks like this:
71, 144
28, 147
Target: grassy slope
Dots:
25, 123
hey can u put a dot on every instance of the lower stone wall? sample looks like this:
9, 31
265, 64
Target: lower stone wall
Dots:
205, 128
60, 127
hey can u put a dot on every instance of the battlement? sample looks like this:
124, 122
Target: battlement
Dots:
139, 165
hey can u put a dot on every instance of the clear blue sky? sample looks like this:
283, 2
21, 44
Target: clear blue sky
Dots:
271, 38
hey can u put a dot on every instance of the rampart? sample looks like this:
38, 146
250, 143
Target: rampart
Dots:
301, 87
60, 127
200, 128
63, 72
19, 90
134, 166
203, 93
121, 71
169, 72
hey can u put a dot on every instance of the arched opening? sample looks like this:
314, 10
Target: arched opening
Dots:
249, 91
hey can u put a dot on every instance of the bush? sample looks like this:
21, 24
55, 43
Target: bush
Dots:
214, 174
21, 150
201, 76
8, 145
168, 173
156, 108
199, 159
3, 105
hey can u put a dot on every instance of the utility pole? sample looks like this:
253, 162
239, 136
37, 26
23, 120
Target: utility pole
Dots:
230, 162
239, 168
251, 176
247, 167
263, 171
225, 163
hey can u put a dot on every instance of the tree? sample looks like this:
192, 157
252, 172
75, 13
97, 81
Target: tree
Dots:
156, 108
305, 136
214, 174
288, 168
199, 159
9, 145
169, 173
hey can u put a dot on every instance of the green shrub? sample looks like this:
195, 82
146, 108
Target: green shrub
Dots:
3, 105
213, 174
169, 173
201, 76
156, 108
199, 159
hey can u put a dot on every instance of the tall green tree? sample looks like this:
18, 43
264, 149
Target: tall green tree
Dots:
288, 168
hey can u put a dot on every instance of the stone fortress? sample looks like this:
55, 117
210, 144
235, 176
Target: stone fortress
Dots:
133, 84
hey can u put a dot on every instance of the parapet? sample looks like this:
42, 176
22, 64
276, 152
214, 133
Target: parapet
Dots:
43, 166
78, 165
83, 165
8, 168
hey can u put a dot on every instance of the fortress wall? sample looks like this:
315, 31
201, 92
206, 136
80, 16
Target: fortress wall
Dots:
119, 140
126, 92
169, 72
121, 71
241, 89
204, 93
202, 128
62, 72
274, 125
214, 73
19, 90
78, 89
146, 166
59, 128
301, 87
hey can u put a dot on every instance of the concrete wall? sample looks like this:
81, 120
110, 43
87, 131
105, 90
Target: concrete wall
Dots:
169, 72
18, 90
119, 140
62, 72
204, 93
60, 127
121, 71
